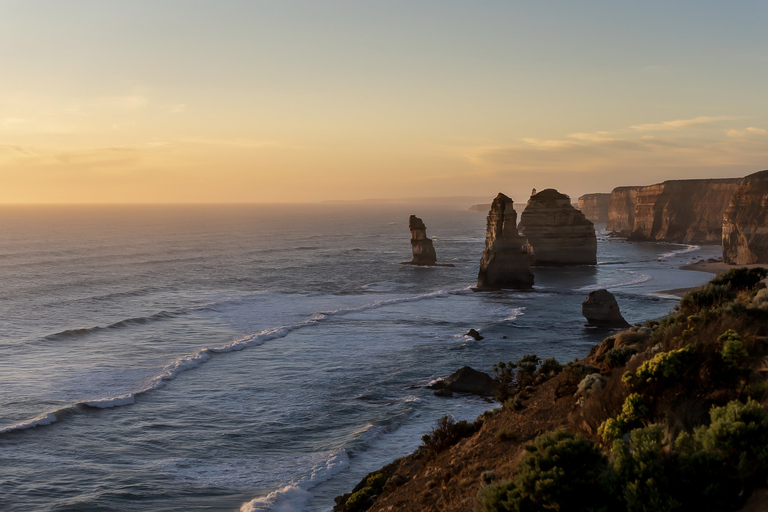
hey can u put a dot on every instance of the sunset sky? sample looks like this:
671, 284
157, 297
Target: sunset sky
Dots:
285, 101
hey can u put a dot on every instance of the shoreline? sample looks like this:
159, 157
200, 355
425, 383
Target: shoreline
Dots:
709, 266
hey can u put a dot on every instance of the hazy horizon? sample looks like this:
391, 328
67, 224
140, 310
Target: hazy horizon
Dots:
300, 101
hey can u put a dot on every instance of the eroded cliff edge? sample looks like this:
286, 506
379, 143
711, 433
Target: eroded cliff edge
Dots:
595, 207
745, 224
681, 211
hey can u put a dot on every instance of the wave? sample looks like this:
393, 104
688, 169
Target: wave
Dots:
296, 495
634, 278
71, 333
194, 360
516, 312
686, 249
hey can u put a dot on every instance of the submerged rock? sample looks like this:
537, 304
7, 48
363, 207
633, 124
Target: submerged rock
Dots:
474, 334
466, 380
601, 310
745, 223
505, 261
557, 233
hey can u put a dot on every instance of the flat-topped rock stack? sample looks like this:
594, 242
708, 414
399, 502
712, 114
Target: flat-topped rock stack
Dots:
505, 261
745, 223
557, 233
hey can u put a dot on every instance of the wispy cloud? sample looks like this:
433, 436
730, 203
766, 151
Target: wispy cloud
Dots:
124, 102
679, 123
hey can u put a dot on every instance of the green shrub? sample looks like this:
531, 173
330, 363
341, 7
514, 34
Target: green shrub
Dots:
710, 294
590, 383
760, 300
738, 435
619, 356
663, 366
633, 411
550, 367
733, 351
634, 408
447, 433
562, 471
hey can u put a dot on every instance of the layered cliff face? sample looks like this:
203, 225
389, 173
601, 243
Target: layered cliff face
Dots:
745, 223
423, 250
621, 210
595, 207
684, 211
505, 261
557, 233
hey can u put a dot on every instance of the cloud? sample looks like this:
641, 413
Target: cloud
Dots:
679, 123
759, 131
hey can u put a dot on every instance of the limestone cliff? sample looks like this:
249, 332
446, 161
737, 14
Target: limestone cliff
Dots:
423, 250
745, 223
505, 261
684, 211
556, 232
621, 210
595, 207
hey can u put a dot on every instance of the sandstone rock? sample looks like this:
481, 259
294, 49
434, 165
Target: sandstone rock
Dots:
505, 261
423, 250
745, 223
474, 334
683, 211
595, 207
467, 380
601, 310
621, 210
556, 232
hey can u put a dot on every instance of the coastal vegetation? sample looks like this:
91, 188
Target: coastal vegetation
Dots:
670, 416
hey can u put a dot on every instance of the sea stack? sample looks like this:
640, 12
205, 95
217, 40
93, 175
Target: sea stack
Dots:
423, 250
745, 223
557, 233
505, 261
601, 310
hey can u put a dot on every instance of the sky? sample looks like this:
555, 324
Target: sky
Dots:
189, 101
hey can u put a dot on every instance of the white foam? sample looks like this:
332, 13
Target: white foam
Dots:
686, 249
634, 278
44, 419
516, 312
106, 403
295, 496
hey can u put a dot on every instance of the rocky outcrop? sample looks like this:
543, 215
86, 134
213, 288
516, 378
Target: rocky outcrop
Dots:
423, 250
474, 334
621, 210
505, 261
683, 211
601, 310
556, 232
466, 380
745, 223
595, 207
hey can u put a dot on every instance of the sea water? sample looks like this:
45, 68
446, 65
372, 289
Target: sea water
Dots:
176, 358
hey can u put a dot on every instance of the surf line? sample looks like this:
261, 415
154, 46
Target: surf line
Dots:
194, 360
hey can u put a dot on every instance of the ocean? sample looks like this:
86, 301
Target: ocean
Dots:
260, 357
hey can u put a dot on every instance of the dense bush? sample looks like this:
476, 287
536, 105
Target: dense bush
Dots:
447, 433
741, 278
733, 351
618, 356
633, 412
561, 471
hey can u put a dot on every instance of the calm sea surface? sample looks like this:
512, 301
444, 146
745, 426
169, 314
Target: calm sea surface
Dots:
176, 358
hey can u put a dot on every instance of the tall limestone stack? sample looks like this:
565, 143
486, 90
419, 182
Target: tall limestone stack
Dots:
557, 233
745, 223
683, 211
621, 210
505, 261
423, 250
595, 207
